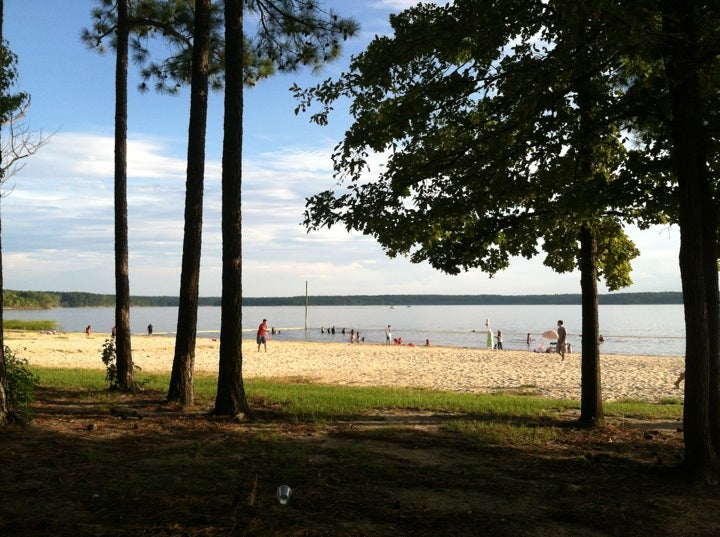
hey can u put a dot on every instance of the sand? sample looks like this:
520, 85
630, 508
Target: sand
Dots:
468, 370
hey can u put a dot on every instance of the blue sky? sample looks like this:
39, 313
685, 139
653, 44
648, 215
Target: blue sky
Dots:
57, 213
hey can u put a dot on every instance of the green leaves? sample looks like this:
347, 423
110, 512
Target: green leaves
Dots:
10, 103
294, 33
500, 124
289, 34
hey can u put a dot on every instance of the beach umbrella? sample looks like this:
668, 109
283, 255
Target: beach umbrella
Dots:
550, 334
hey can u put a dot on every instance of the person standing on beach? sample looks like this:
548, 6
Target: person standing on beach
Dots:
388, 335
150, 330
562, 339
88, 330
499, 340
490, 335
262, 335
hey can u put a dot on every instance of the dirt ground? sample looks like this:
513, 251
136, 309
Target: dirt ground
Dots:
97, 464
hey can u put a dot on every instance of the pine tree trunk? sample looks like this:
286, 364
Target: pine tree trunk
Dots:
682, 66
591, 411
181, 380
231, 399
714, 381
123, 348
713, 304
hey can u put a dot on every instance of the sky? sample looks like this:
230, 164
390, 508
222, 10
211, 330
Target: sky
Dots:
57, 211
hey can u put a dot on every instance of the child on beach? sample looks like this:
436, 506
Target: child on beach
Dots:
679, 380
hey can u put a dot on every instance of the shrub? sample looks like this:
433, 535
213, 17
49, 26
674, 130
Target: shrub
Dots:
108, 358
21, 385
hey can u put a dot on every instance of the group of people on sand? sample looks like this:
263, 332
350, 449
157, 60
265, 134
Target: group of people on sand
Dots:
398, 340
562, 346
113, 330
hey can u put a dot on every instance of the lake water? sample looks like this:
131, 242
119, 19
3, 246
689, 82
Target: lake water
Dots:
656, 330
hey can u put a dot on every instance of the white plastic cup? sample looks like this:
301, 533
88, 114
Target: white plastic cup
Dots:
283, 494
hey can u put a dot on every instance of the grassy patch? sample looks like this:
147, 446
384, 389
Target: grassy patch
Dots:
361, 462
29, 325
315, 402
505, 433
665, 409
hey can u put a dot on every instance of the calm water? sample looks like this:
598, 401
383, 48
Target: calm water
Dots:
637, 329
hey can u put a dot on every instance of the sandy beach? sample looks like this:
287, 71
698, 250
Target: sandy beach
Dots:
466, 370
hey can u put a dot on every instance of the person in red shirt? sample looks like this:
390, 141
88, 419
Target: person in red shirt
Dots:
261, 335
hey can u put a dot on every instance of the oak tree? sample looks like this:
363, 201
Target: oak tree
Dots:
643, 74
491, 117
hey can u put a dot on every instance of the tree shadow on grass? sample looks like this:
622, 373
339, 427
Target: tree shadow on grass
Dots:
78, 470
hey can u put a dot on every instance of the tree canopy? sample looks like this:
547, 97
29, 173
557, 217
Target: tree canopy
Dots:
490, 149
287, 35
492, 120
503, 123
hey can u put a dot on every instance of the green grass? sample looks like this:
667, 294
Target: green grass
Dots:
319, 402
313, 402
88, 379
503, 432
665, 409
33, 326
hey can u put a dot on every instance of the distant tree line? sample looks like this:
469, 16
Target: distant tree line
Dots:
463, 300
50, 299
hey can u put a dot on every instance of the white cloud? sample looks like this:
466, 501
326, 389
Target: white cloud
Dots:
58, 229
395, 5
